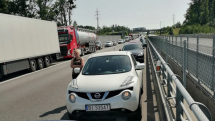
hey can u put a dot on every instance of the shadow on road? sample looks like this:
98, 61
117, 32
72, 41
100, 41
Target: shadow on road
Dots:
150, 92
55, 111
65, 117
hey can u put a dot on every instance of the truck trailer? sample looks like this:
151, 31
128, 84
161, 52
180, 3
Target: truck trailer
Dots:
26, 43
71, 38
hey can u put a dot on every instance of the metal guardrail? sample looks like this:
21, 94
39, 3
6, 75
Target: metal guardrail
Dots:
200, 60
180, 93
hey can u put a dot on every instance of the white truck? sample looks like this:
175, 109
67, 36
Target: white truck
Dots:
26, 43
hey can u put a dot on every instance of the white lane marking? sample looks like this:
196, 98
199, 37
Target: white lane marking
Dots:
33, 72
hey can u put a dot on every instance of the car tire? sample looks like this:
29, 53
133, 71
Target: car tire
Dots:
40, 63
33, 65
82, 52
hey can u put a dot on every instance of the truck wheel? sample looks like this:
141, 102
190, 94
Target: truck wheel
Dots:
47, 61
33, 65
40, 63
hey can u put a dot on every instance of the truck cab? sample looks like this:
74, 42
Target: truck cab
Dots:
71, 38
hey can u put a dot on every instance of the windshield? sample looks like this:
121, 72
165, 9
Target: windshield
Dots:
107, 42
132, 47
111, 64
63, 38
126, 37
97, 42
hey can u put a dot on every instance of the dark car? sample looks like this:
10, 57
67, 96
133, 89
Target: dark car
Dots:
144, 44
99, 45
137, 41
114, 43
136, 50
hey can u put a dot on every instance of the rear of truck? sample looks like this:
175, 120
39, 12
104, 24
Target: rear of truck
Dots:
26, 43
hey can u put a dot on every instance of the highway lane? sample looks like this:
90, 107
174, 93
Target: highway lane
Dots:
41, 95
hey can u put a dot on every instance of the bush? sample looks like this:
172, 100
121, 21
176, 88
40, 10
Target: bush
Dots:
195, 29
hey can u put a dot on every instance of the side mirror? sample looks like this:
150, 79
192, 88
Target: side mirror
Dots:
77, 70
140, 66
120, 50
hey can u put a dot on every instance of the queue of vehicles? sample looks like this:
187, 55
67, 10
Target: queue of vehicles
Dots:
53, 42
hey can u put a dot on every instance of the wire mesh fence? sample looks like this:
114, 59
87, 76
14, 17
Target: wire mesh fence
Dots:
200, 59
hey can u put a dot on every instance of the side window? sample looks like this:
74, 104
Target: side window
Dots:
133, 59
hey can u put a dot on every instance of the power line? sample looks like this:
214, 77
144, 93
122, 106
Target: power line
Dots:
97, 17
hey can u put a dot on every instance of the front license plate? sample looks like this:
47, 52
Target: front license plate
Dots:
105, 107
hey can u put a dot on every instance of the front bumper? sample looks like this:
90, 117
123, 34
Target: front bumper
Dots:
108, 45
113, 113
77, 109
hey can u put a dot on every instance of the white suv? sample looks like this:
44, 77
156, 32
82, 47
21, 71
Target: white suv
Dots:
109, 85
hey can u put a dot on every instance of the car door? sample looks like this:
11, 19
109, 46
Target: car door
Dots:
138, 72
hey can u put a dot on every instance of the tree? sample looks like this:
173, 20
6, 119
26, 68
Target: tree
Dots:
204, 18
75, 24
3, 6
178, 25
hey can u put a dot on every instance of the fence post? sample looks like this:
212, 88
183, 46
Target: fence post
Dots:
184, 63
181, 41
186, 55
176, 41
197, 59
179, 97
213, 66
166, 50
172, 47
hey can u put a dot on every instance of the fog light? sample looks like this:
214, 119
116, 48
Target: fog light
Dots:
72, 98
126, 95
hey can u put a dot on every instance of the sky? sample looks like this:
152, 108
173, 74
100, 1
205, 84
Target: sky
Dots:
130, 13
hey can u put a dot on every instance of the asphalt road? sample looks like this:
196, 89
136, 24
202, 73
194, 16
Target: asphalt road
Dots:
41, 95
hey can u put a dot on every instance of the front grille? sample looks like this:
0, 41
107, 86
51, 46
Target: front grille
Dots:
111, 94
80, 94
63, 50
116, 92
101, 95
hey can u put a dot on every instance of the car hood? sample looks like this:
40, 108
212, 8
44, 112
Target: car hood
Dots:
135, 52
101, 83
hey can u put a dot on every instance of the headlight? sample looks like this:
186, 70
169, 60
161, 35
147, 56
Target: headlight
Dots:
72, 98
73, 84
127, 81
126, 95
140, 54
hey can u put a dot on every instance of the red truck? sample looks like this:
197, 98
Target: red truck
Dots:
71, 38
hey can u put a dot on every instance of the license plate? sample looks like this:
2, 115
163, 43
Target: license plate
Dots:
105, 107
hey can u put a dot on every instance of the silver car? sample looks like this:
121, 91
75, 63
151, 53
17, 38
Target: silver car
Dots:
109, 44
120, 41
